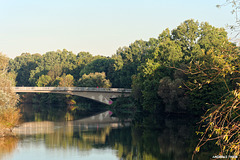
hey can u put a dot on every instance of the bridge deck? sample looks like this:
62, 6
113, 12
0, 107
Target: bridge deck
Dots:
73, 89
102, 95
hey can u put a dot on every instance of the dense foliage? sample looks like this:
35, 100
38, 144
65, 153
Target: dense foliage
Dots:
94, 80
192, 69
152, 68
9, 114
158, 84
217, 72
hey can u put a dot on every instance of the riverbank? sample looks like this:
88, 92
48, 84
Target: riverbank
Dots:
6, 133
9, 118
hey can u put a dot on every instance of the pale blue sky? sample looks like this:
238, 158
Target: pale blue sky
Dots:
96, 26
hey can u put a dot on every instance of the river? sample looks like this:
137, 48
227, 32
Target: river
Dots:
101, 136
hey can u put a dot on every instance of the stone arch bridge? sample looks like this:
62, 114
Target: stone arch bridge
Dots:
102, 95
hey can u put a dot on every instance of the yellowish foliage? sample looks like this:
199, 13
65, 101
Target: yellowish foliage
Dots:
9, 113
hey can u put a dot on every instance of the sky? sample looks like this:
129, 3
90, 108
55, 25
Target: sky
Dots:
96, 26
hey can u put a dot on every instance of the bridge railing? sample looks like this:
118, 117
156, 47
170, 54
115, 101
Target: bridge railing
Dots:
71, 89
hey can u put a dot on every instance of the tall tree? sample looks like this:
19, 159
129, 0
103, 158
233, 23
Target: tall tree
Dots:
185, 44
54, 64
23, 65
9, 113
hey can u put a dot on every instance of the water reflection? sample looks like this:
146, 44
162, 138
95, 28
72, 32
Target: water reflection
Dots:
7, 146
36, 112
106, 137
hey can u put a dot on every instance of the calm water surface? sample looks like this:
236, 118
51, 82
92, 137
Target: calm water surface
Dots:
101, 136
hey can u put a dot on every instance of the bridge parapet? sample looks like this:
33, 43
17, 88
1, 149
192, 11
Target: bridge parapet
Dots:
77, 89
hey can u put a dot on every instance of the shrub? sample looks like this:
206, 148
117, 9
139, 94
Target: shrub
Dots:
9, 113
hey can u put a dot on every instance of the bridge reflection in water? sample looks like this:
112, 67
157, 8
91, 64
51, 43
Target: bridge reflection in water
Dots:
101, 120
102, 95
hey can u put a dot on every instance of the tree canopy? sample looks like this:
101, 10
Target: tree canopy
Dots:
148, 67
94, 80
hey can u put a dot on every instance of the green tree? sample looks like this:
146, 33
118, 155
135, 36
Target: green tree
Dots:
84, 58
185, 44
66, 81
55, 71
54, 64
131, 57
23, 65
100, 64
94, 80
44, 80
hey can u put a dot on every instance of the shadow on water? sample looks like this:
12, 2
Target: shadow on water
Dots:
174, 138
168, 137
